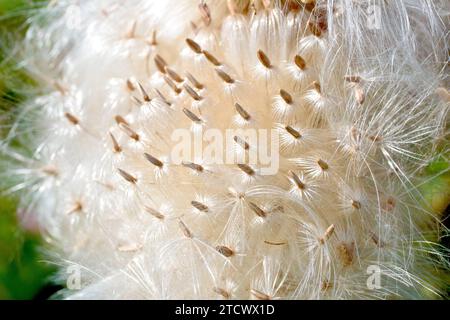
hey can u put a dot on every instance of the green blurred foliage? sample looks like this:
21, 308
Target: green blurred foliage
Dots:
22, 271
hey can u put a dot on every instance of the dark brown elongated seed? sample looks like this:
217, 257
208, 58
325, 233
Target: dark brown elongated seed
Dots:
154, 213
244, 144
242, 112
211, 58
144, 93
160, 63
194, 46
128, 177
187, 233
286, 96
293, 132
246, 168
153, 160
116, 145
72, 119
194, 95
199, 206
175, 76
194, 81
225, 76
128, 131
193, 166
192, 116
297, 180
265, 61
300, 62
224, 250
259, 212
322, 164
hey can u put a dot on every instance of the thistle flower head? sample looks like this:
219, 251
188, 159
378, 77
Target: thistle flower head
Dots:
347, 87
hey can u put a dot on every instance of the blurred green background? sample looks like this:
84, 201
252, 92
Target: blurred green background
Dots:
23, 271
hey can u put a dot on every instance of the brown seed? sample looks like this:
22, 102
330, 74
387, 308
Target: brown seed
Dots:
116, 146
259, 295
72, 119
163, 98
194, 95
175, 76
193, 166
127, 176
297, 180
286, 96
241, 142
211, 58
77, 207
185, 230
375, 138
153, 42
155, 213
160, 63
265, 61
172, 85
128, 131
131, 30
352, 78
246, 168
205, 13
300, 62
356, 204
323, 165
137, 101
199, 206
317, 86
194, 46
378, 242
130, 85
293, 132
153, 160
119, 119
244, 114
275, 243
144, 93
225, 76
192, 116
259, 212
227, 252
328, 233
222, 292
194, 81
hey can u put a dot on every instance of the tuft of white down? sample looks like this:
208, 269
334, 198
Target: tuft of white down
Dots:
355, 107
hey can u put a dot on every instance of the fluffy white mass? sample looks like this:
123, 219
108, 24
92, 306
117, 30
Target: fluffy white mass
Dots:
355, 89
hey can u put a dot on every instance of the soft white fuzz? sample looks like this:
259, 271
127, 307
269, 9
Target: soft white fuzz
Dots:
354, 88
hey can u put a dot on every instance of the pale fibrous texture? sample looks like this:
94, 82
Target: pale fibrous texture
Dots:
355, 90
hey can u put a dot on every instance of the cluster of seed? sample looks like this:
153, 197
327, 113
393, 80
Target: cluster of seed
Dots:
148, 228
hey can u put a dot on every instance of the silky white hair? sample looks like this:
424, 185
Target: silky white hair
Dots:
356, 90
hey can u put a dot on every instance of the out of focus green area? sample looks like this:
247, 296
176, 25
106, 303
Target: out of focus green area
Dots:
23, 274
